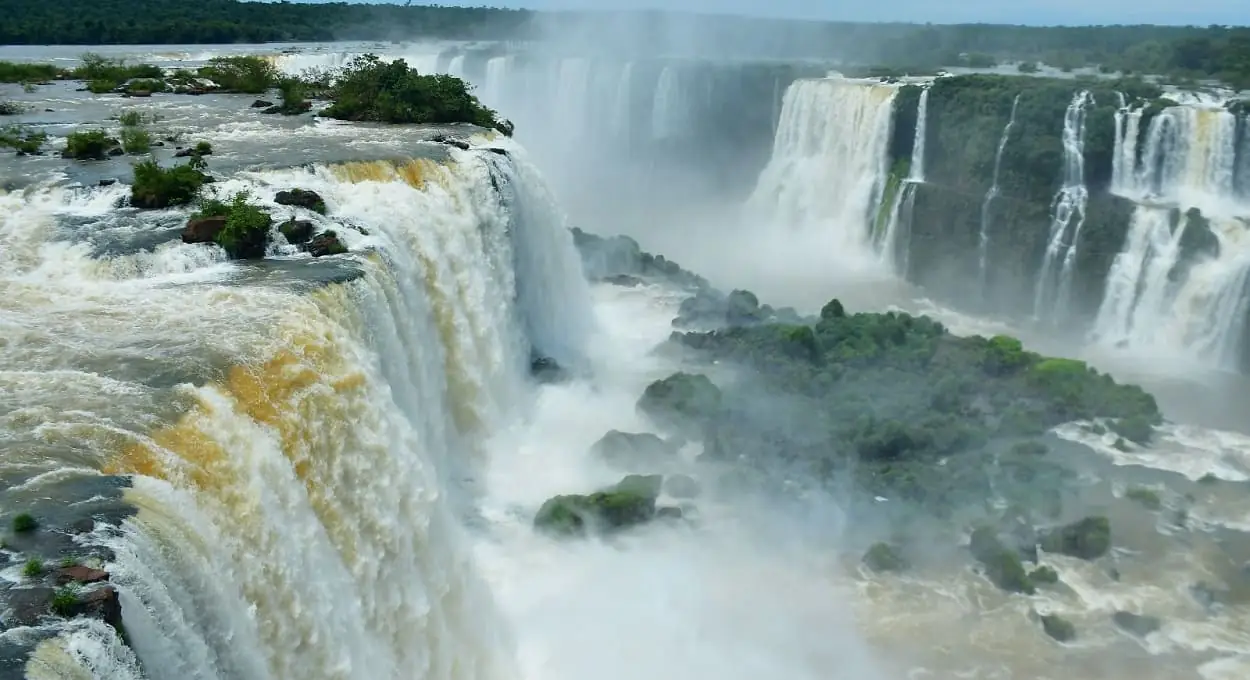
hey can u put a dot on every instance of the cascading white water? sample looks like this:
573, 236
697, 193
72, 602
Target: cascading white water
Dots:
1187, 160
1054, 282
496, 83
1124, 157
571, 101
668, 118
983, 237
622, 102
916, 170
828, 167
291, 490
903, 204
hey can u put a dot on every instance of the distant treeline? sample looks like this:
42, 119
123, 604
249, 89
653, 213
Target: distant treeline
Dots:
1196, 52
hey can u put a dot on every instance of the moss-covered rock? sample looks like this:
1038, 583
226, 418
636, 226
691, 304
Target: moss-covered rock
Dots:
1044, 575
309, 200
1136, 624
1059, 628
1088, 539
883, 557
632, 451
1147, 498
629, 503
682, 486
682, 401
1002, 565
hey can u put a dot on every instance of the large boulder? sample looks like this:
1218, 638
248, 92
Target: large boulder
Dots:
301, 198
203, 229
325, 243
633, 451
628, 503
683, 401
295, 231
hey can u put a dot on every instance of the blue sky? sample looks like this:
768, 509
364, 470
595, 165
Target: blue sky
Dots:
1199, 12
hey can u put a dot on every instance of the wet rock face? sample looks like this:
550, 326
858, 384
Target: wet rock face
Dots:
325, 243
296, 231
301, 198
203, 230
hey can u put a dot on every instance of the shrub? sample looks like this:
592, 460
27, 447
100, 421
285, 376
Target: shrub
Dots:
136, 140
294, 97
22, 139
24, 522
33, 568
13, 72
101, 86
64, 601
252, 75
369, 89
88, 145
246, 233
157, 187
146, 85
11, 108
96, 67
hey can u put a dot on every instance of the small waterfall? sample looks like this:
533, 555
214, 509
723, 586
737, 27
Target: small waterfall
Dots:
456, 66
1124, 157
1054, 286
668, 117
903, 204
571, 101
916, 171
496, 82
828, 168
983, 240
622, 102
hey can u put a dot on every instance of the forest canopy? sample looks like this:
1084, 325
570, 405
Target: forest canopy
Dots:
1176, 51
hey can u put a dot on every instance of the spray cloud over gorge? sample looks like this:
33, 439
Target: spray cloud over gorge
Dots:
439, 429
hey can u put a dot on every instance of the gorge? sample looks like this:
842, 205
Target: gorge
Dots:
338, 466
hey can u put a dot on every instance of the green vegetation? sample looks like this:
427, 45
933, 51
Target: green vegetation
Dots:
1044, 576
156, 187
64, 601
246, 232
294, 94
252, 75
629, 503
136, 140
24, 523
22, 139
23, 72
884, 398
884, 557
33, 568
369, 89
89, 145
1147, 498
1002, 564
1088, 539
1059, 628
11, 108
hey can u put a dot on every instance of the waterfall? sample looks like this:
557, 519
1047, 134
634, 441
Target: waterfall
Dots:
1054, 287
622, 102
289, 442
571, 102
1155, 300
1124, 157
983, 240
668, 117
496, 83
916, 171
828, 168
902, 206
